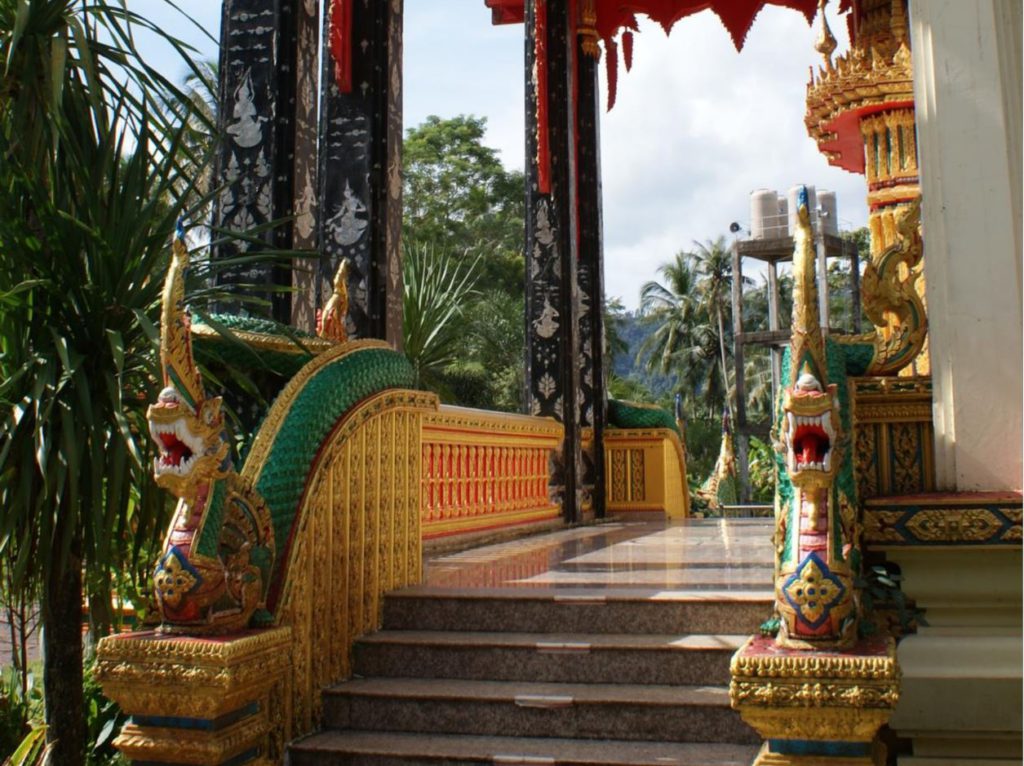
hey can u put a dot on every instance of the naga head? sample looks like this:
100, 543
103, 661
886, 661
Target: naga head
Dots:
814, 576
186, 426
809, 422
809, 430
212, 575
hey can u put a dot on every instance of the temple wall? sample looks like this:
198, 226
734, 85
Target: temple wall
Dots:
960, 696
967, 88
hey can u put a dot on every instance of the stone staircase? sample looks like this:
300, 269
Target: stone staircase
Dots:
521, 676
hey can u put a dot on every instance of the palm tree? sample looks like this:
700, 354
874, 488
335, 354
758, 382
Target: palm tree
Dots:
90, 144
713, 265
683, 339
673, 309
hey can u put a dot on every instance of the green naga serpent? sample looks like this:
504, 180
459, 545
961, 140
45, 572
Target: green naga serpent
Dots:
817, 532
226, 552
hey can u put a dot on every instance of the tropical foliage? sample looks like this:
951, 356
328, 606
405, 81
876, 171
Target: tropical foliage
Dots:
690, 313
688, 319
436, 291
463, 227
91, 143
459, 197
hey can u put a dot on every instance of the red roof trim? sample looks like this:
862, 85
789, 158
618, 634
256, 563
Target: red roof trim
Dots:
506, 11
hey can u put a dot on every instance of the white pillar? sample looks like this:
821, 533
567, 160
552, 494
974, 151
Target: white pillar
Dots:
967, 89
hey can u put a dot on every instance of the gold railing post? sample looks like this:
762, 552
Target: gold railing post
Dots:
646, 471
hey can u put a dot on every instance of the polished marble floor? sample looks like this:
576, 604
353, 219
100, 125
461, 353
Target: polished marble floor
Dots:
706, 555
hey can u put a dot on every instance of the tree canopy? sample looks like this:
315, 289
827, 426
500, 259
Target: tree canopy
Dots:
464, 211
91, 143
459, 197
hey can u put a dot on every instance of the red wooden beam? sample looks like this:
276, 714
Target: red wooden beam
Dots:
506, 11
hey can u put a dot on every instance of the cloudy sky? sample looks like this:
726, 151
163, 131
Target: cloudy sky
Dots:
695, 129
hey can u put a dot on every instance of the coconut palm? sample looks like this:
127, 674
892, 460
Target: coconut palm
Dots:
684, 339
672, 308
90, 144
713, 264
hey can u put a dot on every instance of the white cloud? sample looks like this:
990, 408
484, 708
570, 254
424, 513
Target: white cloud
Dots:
696, 128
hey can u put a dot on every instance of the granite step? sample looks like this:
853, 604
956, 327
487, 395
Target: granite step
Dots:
520, 610
583, 711
548, 657
362, 748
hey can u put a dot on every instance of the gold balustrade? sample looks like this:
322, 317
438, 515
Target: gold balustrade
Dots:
396, 469
645, 470
484, 471
357, 536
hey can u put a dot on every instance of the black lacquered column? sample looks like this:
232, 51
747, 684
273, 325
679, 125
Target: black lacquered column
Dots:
360, 189
304, 230
590, 279
253, 168
552, 336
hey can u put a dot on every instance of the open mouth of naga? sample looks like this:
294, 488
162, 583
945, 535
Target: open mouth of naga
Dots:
811, 442
176, 455
179, 448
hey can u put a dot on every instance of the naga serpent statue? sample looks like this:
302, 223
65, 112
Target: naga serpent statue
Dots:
226, 552
817, 531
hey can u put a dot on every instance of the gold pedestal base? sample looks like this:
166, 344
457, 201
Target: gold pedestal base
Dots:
200, 701
816, 707
766, 758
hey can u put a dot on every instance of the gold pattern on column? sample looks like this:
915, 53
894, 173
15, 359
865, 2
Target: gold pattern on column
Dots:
892, 423
587, 29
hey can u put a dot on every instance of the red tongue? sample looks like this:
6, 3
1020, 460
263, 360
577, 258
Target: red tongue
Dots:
811, 445
174, 448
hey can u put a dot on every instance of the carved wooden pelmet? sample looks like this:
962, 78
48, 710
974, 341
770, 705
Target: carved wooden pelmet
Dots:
360, 164
256, 97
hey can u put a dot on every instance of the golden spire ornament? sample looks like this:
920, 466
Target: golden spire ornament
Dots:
826, 42
331, 324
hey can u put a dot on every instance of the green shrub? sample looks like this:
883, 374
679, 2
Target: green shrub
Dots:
103, 720
19, 710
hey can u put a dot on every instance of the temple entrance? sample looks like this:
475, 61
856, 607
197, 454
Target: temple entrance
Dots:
337, 166
273, 573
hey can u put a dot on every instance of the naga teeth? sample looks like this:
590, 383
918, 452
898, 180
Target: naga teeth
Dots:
823, 421
161, 467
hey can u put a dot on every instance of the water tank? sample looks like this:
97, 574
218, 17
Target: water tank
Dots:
782, 221
829, 212
763, 206
812, 205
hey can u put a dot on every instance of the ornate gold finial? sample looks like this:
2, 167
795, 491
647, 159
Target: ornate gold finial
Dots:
588, 29
826, 43
331, 322
807, 345
898, 21
179, 367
